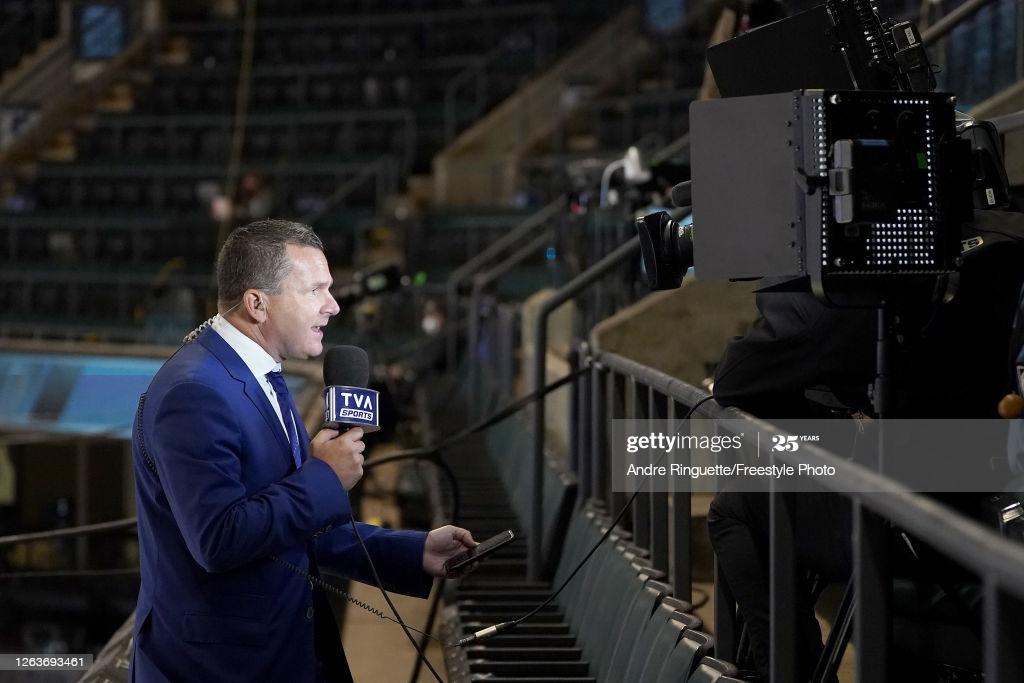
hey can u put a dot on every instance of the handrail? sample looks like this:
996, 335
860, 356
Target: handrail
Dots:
963, 539
70, 532
378, 169
623, 253
995, 559
483, 280
530, 223
1008, 123
947, 23
477, 69
670, 150
454, 85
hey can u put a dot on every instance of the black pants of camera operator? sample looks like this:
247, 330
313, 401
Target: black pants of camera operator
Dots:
738, 524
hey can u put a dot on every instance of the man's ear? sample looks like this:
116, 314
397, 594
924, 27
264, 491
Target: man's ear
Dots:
254, 302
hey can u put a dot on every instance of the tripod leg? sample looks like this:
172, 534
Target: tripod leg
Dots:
838, 639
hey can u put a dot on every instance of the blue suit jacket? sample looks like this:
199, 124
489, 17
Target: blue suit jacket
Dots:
218, 496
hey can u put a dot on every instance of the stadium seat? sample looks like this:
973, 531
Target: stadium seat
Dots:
682, 661
711, 670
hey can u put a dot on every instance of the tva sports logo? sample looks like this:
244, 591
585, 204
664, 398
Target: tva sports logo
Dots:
351, 406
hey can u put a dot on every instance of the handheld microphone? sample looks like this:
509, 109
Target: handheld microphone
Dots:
347, 401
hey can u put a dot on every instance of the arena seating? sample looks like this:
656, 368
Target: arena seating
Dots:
343, 96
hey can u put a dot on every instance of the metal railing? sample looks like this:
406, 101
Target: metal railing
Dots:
592, 275
537, 221
481, 281
478, 76
622, 121
620, 388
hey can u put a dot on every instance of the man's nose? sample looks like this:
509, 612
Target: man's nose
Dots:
332, 305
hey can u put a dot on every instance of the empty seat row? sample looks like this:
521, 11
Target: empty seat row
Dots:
212, 143
217, 95
635, 631
110, 303
365, 42
192, 239
292, 192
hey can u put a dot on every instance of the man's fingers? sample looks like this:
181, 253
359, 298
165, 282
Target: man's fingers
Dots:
325, 435
356, 433
464, 537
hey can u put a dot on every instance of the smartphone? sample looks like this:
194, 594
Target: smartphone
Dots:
455, 566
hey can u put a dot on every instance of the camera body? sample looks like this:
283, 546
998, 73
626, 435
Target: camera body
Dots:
828, 184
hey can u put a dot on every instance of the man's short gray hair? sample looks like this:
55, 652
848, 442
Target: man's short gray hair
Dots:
255, 256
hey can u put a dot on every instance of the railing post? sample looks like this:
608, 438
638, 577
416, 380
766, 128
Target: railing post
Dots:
584, 444
574, 418
782, 586
599, 484
615, 408
1002, 629
679, 539
659, 501
636, 410
872, 574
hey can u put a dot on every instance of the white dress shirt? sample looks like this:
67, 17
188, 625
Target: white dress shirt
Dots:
255, 358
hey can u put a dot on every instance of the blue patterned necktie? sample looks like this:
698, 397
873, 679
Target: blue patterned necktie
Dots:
284, 400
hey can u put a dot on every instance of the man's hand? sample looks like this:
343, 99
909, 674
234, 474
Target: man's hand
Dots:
343, 452
443, 544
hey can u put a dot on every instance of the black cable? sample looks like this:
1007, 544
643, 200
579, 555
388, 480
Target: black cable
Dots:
482, 424
456, 515
506, 625
69, 574
331, 588
433, 457
1008, 235
431, 453
394, 610
76, 531
704, 598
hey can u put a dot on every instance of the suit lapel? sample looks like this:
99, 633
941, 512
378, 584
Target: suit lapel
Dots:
237, 368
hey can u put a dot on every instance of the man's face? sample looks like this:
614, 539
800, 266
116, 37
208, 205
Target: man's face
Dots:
296, 316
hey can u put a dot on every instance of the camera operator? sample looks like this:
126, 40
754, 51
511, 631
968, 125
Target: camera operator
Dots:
950, 362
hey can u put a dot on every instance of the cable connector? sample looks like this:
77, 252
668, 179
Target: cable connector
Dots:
485, 633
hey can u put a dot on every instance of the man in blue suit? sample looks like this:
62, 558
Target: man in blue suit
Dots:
237, 506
